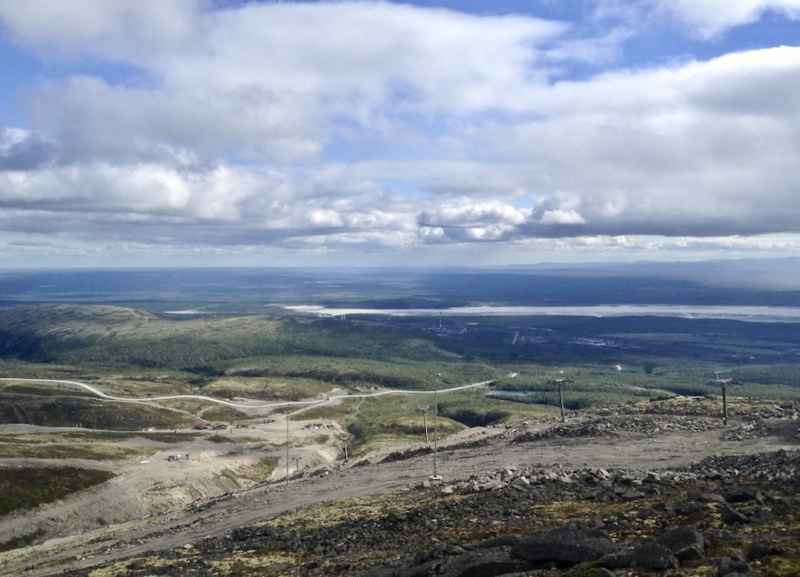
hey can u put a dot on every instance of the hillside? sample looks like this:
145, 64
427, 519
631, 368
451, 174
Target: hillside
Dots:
203, 422
119, 336
135, 354
657, 488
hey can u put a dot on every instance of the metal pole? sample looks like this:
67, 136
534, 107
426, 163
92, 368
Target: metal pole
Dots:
561, 401
435, 428
287, 449
725, 405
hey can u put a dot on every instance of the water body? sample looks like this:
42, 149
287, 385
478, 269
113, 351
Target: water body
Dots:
740, 313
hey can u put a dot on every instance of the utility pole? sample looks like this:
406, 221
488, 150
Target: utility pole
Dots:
425, 420
436, 426
561, 382
287, 449
344, 437
723, 383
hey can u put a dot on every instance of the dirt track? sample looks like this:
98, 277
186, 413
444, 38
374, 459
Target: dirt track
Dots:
179, 526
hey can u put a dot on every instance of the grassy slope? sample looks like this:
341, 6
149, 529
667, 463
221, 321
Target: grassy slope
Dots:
29, 487
132, 353
111, 336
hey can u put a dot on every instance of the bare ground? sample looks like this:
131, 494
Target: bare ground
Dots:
129, 504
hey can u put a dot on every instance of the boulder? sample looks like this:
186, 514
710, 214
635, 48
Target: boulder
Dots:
564, 546
617, 559
760, 550
651, 555
690, 508
734, 566
731, 516
489, 563
683, 542
745, 494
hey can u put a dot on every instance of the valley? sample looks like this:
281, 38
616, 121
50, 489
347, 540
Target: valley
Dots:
141, 441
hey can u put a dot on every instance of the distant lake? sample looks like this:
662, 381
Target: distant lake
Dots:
739, 313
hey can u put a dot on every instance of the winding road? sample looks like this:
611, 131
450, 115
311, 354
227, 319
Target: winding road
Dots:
327, 399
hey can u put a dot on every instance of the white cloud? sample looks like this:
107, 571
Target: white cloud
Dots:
705, 148
704, 19
234, 128
95, 120
269, 81
561, 217
127, 30
711, 17
371, 51
466, 212
147, 189
25, 150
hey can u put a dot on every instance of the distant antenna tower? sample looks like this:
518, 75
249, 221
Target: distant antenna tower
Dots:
724, 384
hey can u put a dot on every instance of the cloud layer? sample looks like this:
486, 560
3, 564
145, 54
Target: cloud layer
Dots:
370, 125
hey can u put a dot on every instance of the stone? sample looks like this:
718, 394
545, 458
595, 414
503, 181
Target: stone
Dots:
493, 486
617, 559
568, 546
731, 516
651, 555
683, 542
745, 494
602, 474
760, 550
733, 566
690, 508
483, 564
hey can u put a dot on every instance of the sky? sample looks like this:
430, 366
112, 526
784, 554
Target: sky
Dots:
365, 133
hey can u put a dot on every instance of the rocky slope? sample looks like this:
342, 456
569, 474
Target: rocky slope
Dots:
724, 502
726, 516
